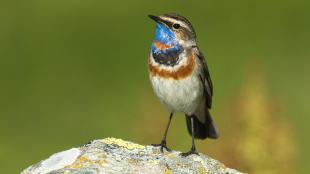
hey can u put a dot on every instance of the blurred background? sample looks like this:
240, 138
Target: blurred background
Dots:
75, 70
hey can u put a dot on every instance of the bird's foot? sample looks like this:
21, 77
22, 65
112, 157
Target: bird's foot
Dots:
163, 146
88, 143
191, 152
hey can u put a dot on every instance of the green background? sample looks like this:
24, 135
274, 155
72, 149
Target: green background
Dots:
73, 70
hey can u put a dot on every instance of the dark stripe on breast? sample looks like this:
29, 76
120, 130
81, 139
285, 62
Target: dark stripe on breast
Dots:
167, 57
180, 73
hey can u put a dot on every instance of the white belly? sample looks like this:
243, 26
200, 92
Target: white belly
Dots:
179, 95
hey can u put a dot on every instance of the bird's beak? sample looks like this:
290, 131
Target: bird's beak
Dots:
156, 18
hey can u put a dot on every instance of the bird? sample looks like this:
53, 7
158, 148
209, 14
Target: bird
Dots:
180, 77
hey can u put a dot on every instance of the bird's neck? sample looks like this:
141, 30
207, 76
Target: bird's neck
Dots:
165, 48
169, 56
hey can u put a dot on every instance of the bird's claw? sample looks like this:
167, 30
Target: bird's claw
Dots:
191, 152
163, 146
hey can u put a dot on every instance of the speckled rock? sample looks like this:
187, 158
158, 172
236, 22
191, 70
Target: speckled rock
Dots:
112, 155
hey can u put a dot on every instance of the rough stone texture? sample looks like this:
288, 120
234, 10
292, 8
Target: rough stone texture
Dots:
112, 155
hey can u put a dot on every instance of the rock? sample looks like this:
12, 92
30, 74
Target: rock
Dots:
112, 155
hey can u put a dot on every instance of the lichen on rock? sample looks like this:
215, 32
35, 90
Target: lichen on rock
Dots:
112, 155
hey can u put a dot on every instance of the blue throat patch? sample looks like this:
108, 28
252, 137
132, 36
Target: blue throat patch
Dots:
165, 36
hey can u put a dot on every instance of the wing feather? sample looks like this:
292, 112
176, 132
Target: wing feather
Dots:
205, 78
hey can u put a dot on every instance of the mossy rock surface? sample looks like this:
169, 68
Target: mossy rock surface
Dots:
112, 155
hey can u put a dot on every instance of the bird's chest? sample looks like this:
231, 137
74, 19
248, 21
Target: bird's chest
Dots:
182, 95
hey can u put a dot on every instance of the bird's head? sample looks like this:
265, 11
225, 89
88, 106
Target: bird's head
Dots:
173, 31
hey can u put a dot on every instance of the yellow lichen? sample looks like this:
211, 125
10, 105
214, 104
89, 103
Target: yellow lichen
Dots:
153, 162
223, 166
84, 161
122, 143
202, 170
134, 162
102, 162
141, 153
167, 171
79, 163
170, 155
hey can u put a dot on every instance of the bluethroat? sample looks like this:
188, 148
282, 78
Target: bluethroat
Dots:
180, 77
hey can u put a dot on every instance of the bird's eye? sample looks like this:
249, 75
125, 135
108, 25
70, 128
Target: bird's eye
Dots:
176, 26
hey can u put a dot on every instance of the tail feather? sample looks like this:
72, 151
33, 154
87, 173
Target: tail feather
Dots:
202, 130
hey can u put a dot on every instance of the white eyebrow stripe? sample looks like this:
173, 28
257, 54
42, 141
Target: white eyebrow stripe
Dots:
183, 24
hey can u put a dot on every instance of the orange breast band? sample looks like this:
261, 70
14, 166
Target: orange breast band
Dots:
161, 46
181, 73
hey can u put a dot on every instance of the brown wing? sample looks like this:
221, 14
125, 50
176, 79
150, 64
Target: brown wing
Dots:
205, 78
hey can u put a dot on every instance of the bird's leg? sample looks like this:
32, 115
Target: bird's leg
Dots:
163, 144
193, 149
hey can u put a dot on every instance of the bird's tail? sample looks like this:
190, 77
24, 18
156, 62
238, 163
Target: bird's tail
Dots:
202, 130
